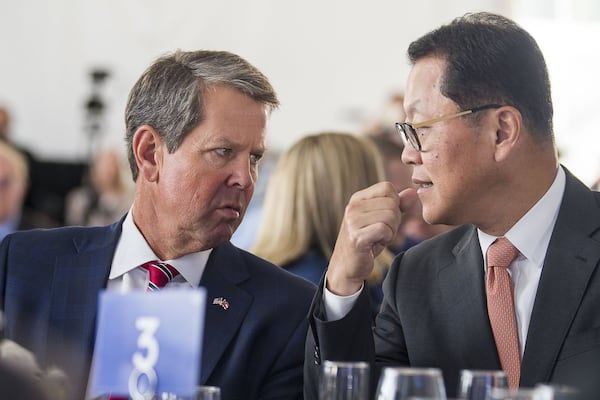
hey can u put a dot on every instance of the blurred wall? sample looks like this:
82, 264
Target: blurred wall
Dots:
332, 62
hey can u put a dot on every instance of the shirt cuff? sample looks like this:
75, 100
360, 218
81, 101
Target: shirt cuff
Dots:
336, 307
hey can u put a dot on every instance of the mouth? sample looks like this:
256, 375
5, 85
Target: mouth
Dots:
231, 211
422, 184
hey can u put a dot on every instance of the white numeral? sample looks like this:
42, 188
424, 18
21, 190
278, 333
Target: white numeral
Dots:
145, 360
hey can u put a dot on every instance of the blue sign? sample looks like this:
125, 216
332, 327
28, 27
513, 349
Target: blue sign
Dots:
148, 343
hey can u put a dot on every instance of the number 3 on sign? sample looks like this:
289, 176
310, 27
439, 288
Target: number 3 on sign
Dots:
145, 359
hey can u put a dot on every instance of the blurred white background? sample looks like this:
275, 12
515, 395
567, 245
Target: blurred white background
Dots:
333, 62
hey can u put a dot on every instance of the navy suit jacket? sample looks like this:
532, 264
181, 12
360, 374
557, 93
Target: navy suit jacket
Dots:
49, 286
434, 311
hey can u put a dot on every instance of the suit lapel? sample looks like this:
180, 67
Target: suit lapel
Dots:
463, 290
225, 270
571, 260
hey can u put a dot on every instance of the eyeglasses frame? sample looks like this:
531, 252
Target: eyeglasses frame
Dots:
408, 130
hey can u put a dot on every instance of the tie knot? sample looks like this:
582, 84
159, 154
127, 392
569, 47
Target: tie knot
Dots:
501, 253
160, 274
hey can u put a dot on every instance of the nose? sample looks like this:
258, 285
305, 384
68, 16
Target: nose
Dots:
243, 174
410, 156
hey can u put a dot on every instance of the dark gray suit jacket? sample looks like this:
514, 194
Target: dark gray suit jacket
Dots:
49, 285
434, 312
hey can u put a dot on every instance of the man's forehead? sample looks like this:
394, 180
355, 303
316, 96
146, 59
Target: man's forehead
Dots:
423, 83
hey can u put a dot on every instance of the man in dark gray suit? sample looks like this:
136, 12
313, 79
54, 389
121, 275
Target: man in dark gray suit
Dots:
195, 132
480, 140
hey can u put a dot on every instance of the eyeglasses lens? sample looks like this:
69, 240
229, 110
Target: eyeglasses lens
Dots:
408, 134
411, 136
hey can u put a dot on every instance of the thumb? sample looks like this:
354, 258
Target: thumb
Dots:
408, 199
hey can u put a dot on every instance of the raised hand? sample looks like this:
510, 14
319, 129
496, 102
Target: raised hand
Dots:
370, 222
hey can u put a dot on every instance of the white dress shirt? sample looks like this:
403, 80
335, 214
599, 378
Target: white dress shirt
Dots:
530, 235
133, 250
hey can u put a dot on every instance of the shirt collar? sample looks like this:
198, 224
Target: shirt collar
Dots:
133, 251
531, 234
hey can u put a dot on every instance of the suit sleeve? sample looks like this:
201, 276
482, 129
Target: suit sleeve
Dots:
347, 339
287, 380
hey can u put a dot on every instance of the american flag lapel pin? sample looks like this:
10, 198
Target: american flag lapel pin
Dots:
221, 302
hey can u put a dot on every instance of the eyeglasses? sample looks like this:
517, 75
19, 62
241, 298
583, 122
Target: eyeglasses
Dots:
408, 131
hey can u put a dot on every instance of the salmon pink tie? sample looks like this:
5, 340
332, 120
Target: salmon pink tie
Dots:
160, 274
501, 308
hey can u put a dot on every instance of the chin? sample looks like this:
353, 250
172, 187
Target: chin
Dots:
221, 234
432, 217
427, 215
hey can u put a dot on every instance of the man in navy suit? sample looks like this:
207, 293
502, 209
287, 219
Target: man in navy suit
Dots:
195, 133
481, 143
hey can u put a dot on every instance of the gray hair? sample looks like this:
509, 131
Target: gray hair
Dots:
169, 96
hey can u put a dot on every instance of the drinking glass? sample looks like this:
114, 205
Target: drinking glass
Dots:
515, 394
202, 393
208, 393
343, 380
399, 383
476, 384
550, 391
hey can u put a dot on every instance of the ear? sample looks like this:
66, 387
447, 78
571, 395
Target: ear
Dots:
147, 149
508, 131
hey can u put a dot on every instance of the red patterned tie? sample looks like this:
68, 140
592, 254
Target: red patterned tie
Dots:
160, 274
501, 308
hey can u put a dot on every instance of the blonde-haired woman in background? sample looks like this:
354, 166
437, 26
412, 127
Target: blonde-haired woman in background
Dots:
305, 202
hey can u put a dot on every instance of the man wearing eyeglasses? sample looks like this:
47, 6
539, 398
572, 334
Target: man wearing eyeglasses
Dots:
479, 136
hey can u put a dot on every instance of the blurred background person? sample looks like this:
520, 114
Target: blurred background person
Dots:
6, 135
48, 181
305, 201
6, 138
13, 187
105, 195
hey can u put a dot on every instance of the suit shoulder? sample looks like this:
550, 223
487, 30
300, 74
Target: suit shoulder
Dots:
44, 234
52, 238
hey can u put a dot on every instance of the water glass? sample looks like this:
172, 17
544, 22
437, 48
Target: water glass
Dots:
208, 393
343, 380
515, 394
549, 391
399, 383
202, 393
476, 384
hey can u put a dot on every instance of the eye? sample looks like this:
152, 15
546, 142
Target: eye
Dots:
223, 152
255, 158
